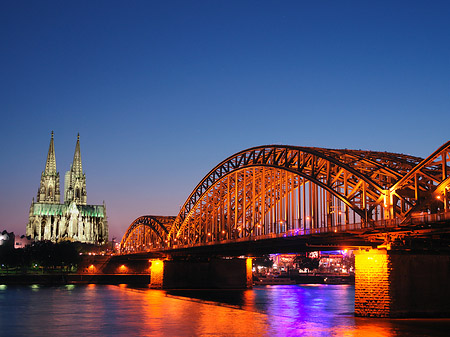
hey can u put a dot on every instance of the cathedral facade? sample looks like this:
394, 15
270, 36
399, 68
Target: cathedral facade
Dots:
73, 219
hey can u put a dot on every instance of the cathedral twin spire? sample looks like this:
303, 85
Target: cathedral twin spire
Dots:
73, 220
76, 165
50, 165
49, 188
75, 179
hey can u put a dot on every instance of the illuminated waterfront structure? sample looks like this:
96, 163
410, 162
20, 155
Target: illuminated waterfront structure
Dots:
393, 209
72, 220
279, 191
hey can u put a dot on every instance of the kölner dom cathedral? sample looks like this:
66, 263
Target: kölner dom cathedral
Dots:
73, 220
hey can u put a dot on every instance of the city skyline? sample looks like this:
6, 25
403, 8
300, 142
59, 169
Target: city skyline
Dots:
162, 92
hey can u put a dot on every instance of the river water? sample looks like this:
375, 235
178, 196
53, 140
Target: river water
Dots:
282, 310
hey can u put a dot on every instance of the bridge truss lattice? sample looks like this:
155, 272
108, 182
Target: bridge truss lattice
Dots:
289, 190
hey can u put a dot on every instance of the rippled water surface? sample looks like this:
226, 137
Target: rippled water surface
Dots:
107, 310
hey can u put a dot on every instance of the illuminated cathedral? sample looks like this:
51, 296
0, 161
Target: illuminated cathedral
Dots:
72, 220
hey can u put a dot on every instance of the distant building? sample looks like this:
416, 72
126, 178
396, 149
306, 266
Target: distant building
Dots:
7, 239
331, 262
22, 241
72, 220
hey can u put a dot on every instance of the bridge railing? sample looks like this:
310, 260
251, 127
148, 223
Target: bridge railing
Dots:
416, 219
423, 218
291, 233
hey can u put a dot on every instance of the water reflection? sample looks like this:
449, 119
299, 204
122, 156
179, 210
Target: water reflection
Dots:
97, 310
199, 318
313, 310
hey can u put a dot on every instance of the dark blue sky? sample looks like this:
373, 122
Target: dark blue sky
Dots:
162, 91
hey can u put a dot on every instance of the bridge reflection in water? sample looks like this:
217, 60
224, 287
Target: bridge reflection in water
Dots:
96, 310
276, 198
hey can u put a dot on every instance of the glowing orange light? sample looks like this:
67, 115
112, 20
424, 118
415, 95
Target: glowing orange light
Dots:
157, 273
123, 268
209, 234
438, 197
223, 232
249, 265
372, 268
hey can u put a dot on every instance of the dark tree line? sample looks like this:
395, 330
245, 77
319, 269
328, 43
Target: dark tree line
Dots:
42, 254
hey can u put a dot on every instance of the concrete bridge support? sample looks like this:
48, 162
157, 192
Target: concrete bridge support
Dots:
198, 274
391, 283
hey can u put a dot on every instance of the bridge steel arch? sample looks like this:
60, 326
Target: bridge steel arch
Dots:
426, 187
274, 190
145, 233
347, 186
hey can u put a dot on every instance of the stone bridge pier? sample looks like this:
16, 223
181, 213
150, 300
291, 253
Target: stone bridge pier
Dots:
213, 273
395, 283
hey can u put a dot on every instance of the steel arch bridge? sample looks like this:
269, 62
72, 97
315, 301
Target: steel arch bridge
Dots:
275, 190
146, 232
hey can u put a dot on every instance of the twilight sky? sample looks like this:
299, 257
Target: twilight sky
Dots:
162, 91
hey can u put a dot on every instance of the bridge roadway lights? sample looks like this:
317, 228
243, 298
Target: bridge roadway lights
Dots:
213, 273
395, 283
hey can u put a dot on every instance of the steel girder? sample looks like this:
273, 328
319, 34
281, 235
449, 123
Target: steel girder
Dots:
358, 178
425, 187
251, 193
146, 232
